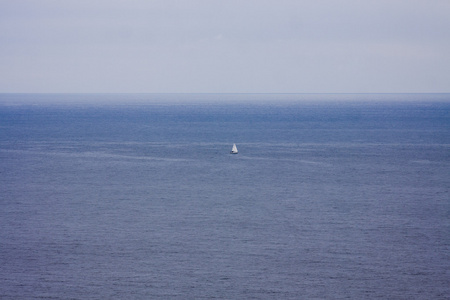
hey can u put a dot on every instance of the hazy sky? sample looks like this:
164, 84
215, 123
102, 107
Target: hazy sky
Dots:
225, 46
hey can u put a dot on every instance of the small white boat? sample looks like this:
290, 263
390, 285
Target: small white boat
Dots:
234, 149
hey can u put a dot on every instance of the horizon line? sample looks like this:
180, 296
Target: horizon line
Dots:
235, 93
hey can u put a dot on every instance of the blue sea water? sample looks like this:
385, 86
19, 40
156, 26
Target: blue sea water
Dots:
137, 197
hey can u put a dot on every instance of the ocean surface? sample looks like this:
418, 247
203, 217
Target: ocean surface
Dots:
128, 196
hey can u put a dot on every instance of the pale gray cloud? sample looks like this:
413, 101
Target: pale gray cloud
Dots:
225, 46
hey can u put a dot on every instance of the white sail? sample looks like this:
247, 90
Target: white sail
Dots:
234, 150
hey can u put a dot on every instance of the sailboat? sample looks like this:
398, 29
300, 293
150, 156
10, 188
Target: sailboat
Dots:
234, 149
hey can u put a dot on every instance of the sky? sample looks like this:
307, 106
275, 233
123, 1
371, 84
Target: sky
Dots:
232, 46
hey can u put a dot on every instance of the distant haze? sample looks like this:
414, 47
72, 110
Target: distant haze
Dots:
211, 46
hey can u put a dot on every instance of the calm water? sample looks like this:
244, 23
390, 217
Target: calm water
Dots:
327, 198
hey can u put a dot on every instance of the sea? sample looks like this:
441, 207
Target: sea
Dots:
136, 196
